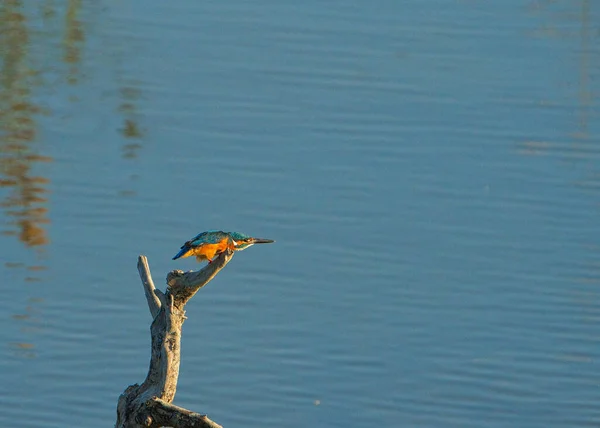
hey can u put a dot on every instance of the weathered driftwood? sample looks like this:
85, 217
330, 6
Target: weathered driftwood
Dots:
149, 404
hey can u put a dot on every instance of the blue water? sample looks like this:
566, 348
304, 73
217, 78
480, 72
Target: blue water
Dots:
429, 170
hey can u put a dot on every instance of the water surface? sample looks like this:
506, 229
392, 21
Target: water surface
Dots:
430, 173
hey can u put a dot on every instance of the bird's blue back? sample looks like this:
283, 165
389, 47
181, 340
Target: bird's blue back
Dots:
209, 237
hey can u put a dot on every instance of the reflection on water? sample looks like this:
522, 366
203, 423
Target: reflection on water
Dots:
534, 148
31, 324
130, 130
24, 192
486, 308
26, 199
585, 93
585, 35
587, 38
578, 146
73, 40
23, 350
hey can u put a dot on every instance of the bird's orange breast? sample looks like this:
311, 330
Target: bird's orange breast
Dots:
209, 250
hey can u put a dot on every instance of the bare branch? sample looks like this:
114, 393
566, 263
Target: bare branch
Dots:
169, 415
154, 303
185, 285
148, 404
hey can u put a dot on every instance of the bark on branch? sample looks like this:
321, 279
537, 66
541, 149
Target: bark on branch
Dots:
149, 404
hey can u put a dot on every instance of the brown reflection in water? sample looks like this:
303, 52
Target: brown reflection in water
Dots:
534, 148
47, 8
585, 34
130, 130
25, 203
585, 93
31, 324
23, 191
73, 40
580, 146
592, 182
23, 350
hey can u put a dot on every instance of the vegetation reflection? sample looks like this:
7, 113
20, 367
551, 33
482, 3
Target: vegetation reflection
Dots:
23, 190
25, 202
74, 37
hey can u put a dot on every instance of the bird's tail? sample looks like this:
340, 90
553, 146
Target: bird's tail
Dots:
181, 253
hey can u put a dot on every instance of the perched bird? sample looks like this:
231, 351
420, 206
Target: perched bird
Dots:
206, 245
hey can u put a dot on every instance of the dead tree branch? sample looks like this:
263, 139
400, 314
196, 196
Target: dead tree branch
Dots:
149, 404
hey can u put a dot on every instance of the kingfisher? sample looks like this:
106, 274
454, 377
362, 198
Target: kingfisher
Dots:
206, 245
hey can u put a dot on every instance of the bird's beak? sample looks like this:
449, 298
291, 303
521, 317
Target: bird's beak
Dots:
262, 241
